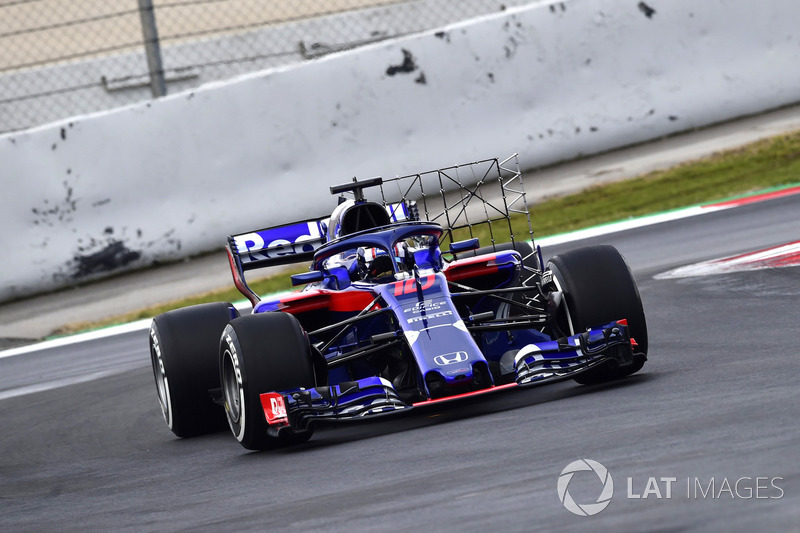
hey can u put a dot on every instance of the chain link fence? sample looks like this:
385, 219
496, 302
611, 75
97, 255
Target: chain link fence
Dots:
60, 58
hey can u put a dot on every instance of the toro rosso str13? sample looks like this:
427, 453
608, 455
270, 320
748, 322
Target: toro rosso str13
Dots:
395, 313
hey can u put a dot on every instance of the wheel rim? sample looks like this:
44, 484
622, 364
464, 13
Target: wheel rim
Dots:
231, 389
570, 325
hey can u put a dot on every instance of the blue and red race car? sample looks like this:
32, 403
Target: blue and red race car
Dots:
391, 320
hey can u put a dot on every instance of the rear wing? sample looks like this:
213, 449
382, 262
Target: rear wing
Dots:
279, 245
287, 244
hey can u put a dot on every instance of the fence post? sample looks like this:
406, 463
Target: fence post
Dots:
151, 45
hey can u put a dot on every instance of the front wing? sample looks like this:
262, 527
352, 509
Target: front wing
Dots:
535, 364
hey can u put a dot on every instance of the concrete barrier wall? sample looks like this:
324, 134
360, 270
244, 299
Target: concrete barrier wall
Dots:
101, 193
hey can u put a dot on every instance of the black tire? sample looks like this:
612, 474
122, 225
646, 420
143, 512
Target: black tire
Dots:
598, 288
183, 353
262, 353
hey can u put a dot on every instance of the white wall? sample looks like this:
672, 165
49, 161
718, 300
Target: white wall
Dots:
550, 81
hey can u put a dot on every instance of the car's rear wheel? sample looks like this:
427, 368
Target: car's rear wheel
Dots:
183, 354
530, 265
261, 353
599, 288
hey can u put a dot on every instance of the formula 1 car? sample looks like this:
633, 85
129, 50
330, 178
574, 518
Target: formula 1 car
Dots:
396, 314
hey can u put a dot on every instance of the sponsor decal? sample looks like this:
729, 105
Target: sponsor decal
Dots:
234, 358
274, 407
425, 306
162, 383
429, 317
236, 420
450, 358
276, 242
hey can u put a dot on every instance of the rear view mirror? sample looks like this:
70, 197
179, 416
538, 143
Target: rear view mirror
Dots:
464, 246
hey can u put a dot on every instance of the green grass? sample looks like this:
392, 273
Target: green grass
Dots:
769, 163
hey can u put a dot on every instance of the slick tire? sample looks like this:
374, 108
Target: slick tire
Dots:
598, 288
183, 354
261, 353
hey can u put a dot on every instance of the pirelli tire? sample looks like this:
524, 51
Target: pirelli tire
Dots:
598, 287
183, 354
261, 353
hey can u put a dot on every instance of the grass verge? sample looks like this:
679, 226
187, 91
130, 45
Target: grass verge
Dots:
768, 163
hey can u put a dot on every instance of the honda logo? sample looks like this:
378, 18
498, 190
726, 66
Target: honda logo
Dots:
450, 358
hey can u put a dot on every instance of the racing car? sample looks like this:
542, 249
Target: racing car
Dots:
397, 312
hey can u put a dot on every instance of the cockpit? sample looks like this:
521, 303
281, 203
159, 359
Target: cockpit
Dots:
382, 256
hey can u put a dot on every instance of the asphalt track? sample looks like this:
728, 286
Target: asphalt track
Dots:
717, 402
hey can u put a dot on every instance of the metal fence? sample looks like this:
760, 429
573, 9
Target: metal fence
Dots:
60, 58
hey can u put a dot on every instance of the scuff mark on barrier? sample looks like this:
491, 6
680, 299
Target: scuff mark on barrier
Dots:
407, 66
421, 79
115, 255
510, 49
515, 39
62, 211
647, 10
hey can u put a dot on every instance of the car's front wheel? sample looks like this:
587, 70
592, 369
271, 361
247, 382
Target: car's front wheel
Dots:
261, 353
599, 288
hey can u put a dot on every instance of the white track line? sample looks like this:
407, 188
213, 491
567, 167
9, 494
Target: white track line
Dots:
79, 337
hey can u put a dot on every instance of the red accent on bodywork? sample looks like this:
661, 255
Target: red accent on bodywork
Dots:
465, 395
624, 322
274, 409
239, 282
345, 301
471, 267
